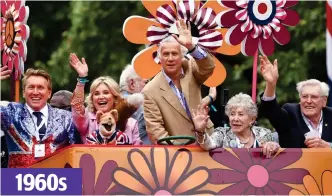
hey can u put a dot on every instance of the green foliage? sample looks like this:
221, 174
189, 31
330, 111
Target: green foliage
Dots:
94, 30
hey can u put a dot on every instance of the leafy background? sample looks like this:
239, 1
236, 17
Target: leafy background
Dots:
94, 30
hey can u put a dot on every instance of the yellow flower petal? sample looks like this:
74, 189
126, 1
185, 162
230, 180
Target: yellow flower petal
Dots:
181, 163
226, 48
129, 181
311, 185
218, 76
194, 180
144, 64
161, 163
135, 29
326, 183
142, 167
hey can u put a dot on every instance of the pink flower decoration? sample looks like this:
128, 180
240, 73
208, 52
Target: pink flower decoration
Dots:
252, 174
14, 34
257, 24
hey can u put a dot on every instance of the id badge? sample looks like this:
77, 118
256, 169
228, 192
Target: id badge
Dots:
39, 150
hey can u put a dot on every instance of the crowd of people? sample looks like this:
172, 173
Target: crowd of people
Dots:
141, 112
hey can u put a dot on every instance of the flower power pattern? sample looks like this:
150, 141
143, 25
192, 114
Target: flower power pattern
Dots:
251, 174
257, 24
162, 170
14, 35
204, 29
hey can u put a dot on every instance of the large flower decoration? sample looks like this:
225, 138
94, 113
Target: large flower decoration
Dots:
312, 187
162, 175
251, 174
257, 24
14, 34
149, 31
104, 181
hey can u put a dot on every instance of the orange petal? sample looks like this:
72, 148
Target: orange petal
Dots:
226, 48
128, 180
135, 29
295, 192
311, 185
326, 183
181, 163
218, 75
214, 5
152, 6
144, 64
195, 179
161, 163
142, 166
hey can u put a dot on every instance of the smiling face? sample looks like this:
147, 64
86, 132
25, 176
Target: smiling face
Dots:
102, 98
312, 102
171, 58
240, 120
36, 92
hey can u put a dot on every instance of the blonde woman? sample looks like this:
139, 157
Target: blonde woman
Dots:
103, 97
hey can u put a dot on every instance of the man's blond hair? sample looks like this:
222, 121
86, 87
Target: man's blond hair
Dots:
36, 72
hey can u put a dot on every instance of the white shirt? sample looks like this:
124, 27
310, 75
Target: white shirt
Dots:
44, 112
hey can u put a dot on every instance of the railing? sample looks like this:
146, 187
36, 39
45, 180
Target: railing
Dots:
175, 170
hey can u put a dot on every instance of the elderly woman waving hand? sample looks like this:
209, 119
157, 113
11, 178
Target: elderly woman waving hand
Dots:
242, 113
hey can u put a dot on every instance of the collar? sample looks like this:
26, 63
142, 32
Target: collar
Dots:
44, 110
320, 119
168, 79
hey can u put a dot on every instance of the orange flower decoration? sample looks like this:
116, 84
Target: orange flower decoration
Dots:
312, 186
14, 35
162, 175
141, 30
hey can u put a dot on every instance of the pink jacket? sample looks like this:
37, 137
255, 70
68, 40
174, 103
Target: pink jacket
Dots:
87, 124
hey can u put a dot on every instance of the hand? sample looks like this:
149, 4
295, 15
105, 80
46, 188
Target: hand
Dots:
5, 72
205, 101
316, 142
270, 149
80, 67
268, 70
200, 117
185, 38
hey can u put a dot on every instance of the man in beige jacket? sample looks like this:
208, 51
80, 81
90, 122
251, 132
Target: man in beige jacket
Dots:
176, 89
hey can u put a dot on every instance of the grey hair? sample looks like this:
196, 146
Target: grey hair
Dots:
244, 101
169, 39
127, 74
324, 88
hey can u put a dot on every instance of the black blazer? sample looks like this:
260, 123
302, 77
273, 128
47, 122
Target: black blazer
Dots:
290, 125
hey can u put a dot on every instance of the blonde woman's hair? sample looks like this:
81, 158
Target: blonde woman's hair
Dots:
110, 83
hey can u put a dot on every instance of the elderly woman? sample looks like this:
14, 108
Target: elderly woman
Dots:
242, 113
103, 97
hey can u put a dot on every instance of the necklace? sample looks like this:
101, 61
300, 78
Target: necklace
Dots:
246, 141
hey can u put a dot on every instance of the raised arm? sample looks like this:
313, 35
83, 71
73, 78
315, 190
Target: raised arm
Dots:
203, 65
80, 116
277, 116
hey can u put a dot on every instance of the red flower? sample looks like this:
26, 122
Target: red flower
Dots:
252, 175
257, 24
14, 34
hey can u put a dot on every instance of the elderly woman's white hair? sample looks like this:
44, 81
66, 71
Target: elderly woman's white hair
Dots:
127, 74
324, 88
169, 39
244, 101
